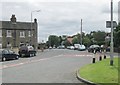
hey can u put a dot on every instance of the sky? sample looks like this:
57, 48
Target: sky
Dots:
60, 17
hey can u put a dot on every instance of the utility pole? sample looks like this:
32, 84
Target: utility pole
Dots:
111, 48
81, 32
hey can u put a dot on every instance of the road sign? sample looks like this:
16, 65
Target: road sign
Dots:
108, 24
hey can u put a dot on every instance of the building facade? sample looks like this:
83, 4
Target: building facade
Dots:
13, 33
70, 39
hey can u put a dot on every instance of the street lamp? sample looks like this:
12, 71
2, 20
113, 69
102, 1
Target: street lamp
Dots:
81, 33
31, 23
111, 45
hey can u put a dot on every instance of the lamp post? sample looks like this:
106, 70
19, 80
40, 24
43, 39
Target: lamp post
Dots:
111, 45
31, 23
81, 32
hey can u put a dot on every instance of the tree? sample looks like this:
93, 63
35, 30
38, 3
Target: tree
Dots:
53, 40
86, 41
99, 37
117, 36
75, 40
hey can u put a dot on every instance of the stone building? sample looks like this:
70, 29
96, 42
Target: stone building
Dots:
13, 33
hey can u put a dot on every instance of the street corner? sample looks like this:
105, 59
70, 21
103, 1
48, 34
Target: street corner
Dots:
82, 79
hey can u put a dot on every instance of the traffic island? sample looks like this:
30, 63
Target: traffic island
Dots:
99, 73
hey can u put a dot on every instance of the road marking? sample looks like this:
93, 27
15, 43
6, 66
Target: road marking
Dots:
23, 63
33, 61
78, 55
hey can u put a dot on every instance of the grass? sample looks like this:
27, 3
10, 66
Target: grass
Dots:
101, 72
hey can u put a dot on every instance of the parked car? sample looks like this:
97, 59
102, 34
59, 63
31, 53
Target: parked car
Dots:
7, 55
82, 48
28, 51
108, 49
72, 47
61, 47
76, 46
68, 47
94, 47
102, 47
50, 47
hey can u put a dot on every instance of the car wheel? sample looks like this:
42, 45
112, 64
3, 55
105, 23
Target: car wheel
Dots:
17, 57
30, 55
4, 59
33, 55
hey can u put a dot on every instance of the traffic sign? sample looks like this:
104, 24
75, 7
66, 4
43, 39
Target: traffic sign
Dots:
108, 24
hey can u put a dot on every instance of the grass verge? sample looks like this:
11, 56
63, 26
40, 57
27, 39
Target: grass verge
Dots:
101, 72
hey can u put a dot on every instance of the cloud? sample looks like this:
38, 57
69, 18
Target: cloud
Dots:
107, 9
60, 16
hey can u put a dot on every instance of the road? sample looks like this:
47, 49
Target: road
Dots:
50, 66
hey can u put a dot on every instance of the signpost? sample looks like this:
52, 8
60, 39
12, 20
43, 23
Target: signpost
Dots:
111, 24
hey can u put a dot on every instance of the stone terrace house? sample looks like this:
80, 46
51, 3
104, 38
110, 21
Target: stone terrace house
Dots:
13, 33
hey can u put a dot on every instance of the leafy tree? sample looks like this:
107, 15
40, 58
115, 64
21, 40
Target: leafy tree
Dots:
54, 40
86, 41
117, 36
99, 37
75, 40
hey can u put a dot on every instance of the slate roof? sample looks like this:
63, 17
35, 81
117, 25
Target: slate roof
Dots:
18, 25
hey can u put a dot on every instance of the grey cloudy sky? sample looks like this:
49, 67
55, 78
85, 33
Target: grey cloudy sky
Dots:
61, 17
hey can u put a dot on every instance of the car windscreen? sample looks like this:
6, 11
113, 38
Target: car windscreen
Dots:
10, 51
96, 46
5, 52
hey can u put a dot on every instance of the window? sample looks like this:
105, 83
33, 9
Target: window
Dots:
8, 45
29, 33
0, 33
22, 34
9, 33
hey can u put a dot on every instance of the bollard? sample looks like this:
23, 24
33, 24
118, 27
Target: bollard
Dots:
100, 58
104, 56
93, 60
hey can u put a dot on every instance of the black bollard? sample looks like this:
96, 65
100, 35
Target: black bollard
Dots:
104, 56
94, 52
93, 60
100, 58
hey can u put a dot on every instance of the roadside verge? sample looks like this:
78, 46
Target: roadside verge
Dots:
83, 80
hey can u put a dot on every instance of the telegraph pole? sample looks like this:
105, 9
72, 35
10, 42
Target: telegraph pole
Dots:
111, 50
